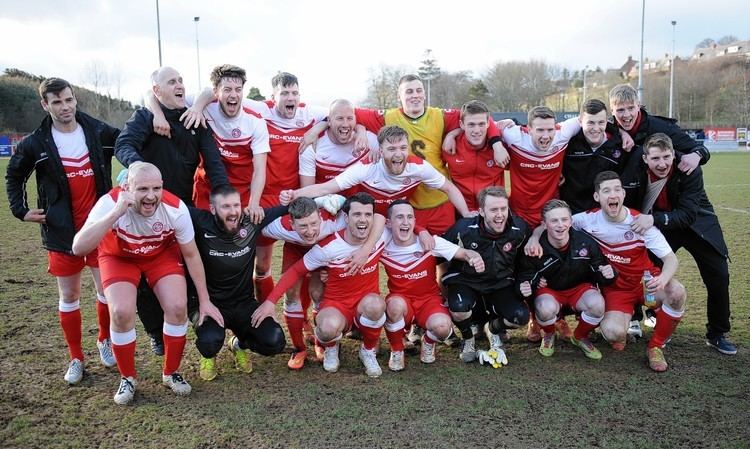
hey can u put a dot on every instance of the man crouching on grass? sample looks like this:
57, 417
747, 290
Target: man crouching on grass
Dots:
142, 229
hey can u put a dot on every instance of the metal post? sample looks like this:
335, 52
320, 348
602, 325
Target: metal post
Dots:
197, 50
158, 30
586, 69
640, 63
671, 75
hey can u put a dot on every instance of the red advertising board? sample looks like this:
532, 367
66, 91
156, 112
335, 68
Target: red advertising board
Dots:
721, 134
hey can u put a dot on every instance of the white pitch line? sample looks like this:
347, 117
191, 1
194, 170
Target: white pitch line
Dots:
726, 185
731, 209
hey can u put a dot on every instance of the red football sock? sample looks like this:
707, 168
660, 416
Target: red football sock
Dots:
102, 318
304, 295
548, 329
295, 325
395, 338
666, 323
125, 355
370, 331
71, 326
263, 287
173, 348
583, 329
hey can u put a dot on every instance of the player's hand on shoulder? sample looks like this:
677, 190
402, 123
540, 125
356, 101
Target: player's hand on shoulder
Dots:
161, 126
426, 240
627, 142
533, 248
192, 118
256, 213
475, 260
689, 162
642, 223
125, 199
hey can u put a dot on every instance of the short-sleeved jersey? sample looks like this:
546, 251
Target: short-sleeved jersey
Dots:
386, 188
282, 165
411, 270
535, 174
137, 237
333, 252
238, 139
425, 140
625, 249
331, 159
281, 228
472, 170
74, 155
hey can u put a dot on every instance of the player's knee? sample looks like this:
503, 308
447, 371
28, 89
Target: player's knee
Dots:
546, 308
676, 295
460, 303
272, 341
120, 315
594, 306
440, 325
373, 307
395, 309
209, 344
518, 318
612, 331
175, 311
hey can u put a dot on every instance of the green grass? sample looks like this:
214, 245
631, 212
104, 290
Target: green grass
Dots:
564, 401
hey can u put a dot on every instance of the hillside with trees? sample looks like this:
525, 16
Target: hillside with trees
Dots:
20, 111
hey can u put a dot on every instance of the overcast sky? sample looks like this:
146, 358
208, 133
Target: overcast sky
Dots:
332, 45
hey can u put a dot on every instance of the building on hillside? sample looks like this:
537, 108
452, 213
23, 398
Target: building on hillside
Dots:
738, 48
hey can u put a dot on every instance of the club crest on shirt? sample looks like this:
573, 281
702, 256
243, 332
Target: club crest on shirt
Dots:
629, 235
490, 163
158, 226
583, 252
407, 181
507, 247
236, 133
616, 154
243, 233
474, 245
418, 254
300, 123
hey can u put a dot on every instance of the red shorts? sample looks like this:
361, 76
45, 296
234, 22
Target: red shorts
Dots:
419, 310
63, 265
120, 269
568, 297
292, 254
347, 308
437, 219
625, 293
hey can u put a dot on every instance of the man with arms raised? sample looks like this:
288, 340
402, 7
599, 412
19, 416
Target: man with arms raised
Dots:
71, 153
677, 204
287, 119
498, 237
414, 295
143, 230
349, 299
472, 165
426, 127
566, 274
335, 151
394, 177
628, 251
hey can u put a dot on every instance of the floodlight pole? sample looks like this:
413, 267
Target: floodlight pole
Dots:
640, 64
671, 67
158, 30
197, 19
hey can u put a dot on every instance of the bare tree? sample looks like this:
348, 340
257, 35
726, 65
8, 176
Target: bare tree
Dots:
382, 91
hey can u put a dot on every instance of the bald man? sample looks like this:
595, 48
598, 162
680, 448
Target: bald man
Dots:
177, 157
142, 230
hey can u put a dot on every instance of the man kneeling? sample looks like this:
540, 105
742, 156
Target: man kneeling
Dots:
565, 275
